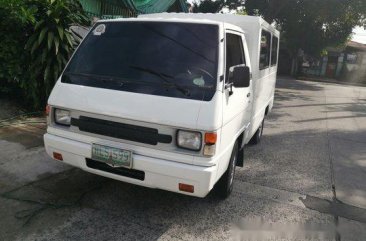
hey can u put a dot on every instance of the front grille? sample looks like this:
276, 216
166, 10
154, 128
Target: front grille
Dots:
136, 174
121, 131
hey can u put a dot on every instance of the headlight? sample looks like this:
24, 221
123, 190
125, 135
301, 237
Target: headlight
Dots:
189, 140
62, 117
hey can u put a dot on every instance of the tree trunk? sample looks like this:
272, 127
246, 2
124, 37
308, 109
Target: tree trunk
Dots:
300, 61
294, 66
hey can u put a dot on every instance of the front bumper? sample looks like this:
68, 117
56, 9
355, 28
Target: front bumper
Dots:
159, 173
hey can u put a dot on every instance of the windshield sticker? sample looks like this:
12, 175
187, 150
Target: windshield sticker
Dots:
99, 30
199, 81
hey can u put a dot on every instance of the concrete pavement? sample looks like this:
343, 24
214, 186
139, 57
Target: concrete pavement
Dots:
346, 124
313, 140
317, 135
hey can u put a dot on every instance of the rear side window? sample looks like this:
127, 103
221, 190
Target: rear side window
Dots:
234, 52
274, 50
265, 49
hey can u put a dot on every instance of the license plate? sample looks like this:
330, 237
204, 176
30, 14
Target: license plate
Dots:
114, 157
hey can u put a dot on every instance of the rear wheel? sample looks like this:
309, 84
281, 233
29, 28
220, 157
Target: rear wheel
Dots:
224, 186
258, 134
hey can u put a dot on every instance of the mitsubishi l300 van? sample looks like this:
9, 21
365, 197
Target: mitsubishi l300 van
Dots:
165, 101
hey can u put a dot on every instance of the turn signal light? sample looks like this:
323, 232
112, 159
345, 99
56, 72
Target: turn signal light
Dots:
186, 188
210, 144
210, 138
57, 156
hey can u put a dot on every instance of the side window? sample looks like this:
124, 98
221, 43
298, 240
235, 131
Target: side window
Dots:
274, 50
234, 52
265, 49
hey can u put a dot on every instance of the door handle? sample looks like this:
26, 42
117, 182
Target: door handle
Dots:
248, 95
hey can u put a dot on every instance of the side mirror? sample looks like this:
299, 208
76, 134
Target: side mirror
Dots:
240, 76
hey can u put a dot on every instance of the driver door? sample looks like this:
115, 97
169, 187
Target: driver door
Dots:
237, 101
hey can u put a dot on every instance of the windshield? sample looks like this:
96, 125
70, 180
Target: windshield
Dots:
158, 58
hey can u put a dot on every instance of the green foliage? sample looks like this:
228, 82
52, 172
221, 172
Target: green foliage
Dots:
14, 19
207, 6
215, 6
37, 43
241, 12
50, 45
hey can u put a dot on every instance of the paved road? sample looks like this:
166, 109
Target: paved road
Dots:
314, 140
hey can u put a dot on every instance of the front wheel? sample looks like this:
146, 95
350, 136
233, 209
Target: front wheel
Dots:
224, 186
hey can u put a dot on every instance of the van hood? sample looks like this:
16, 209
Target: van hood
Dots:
176, 112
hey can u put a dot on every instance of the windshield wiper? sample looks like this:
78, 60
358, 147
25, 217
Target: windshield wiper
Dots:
103, 78
106, 78
163, 77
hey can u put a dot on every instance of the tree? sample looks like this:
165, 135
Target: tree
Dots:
15, 17
265, 8
35, 45
50, 45
215, 6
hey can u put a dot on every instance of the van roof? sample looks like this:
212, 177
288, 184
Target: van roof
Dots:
218, 17
242, 21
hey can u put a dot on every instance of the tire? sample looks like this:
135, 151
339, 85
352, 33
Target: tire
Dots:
258, 134
224, 186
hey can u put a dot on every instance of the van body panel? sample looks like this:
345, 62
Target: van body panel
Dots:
136, 149
128, 105
230, 113
159, 173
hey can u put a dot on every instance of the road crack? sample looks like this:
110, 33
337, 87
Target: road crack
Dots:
52, 201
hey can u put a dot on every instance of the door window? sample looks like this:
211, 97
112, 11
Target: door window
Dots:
234, 52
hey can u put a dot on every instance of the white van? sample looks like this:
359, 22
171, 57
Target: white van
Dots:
166, 100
